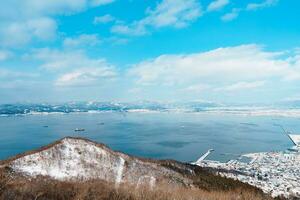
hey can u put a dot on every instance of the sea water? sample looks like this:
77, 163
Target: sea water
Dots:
159, 135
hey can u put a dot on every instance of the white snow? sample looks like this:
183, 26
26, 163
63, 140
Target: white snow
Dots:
142, 111
244, 111
275, 173
79, 159
72, 159
120, 171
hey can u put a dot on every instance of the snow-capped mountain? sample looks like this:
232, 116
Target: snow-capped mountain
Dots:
84, 107
75, 159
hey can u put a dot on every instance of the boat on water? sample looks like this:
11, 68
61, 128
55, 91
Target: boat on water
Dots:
79, 129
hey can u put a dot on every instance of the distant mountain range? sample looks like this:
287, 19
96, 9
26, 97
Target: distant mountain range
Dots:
13, 109
142, 106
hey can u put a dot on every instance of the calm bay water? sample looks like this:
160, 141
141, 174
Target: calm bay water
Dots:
180, 136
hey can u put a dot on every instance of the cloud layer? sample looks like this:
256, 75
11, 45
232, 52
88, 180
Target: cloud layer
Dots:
217, 5
29, 20
73, 67
237, 69
246, 62
168, 13
40, 45
243, 69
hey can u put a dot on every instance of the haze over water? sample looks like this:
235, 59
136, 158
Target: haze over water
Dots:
180, 136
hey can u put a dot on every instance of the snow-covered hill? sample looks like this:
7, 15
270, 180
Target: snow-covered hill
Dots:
80, 159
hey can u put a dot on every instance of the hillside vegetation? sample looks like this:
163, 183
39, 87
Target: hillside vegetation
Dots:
173, 180
210, 187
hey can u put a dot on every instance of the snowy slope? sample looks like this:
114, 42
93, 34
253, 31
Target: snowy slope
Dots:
80, 159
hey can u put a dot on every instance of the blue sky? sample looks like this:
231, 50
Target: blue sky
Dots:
164, 50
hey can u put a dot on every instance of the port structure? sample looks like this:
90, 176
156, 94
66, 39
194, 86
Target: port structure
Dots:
202, 157
295, 138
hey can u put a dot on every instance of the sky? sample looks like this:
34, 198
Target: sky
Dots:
226, 51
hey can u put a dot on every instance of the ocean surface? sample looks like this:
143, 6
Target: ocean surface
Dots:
183, 136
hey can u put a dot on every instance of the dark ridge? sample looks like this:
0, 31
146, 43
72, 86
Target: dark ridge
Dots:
205, 179
7, 161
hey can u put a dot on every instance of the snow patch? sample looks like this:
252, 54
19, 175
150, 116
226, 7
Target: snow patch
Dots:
120, 171
79, 159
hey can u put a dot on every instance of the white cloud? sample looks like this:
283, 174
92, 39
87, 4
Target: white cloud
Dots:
55, 60
34, 8
100, 2
82, 40
295, 97
86, 76
265, 3
177, 13
245, 63
103, 19
18, 84
135, 90
197, 88
11, 74
74, 67
59, 60
217, 5
250, 7
117, 41
168, 13
241, 86
33, 19
23, 32
42, 28
293, 73
4, 55
231, 15
219, 74
13, 79
135, 29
